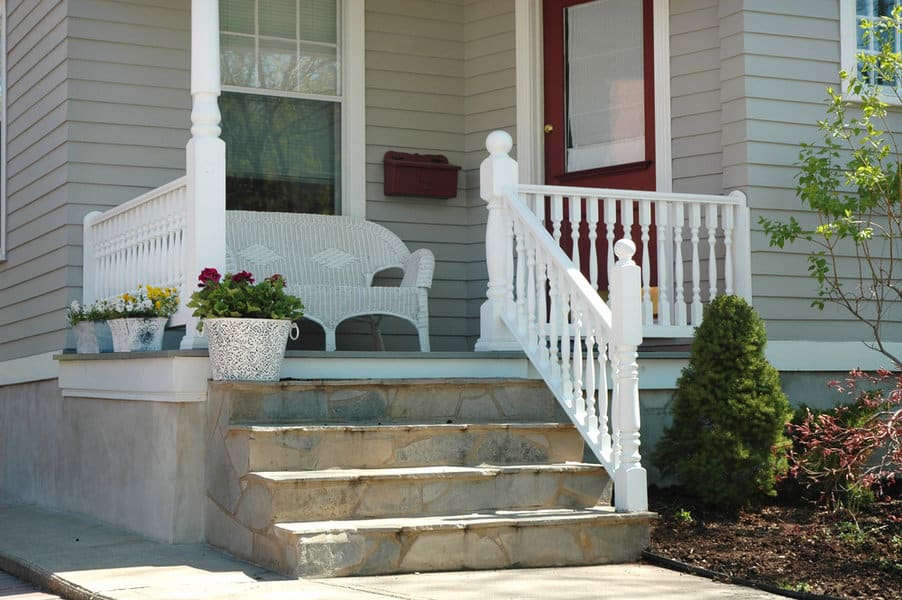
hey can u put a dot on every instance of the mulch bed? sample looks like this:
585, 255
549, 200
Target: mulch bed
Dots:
797, 548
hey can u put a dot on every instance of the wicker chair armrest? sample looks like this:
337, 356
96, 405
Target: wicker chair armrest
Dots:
418, 269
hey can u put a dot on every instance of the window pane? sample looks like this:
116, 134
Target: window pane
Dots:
278, 65
605, 86
236, 16
317, 70
318, 21
238, 62
282, 154
278, 18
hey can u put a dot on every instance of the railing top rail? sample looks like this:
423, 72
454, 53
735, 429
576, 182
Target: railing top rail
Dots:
737, 199
94, 218
528, 220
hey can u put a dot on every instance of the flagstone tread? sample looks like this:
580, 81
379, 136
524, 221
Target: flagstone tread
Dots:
495, 518
289, 427
407, 473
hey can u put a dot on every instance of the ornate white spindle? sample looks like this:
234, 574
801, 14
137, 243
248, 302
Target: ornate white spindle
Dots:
664, 262
629, 477
728, 250
553, 332
626, 217
520, 278
564, 316
610, 222
497, 172
695, 223
679, 305
603, 404
644, 225
531, 326
591, 399
592, 220
579, 400
541, 301
711, 226
575, 205
557, 215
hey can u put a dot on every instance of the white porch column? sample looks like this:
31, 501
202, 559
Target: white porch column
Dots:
496, 173
205, 234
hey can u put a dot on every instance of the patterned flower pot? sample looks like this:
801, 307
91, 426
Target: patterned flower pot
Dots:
137, 335
86, 341
247, 349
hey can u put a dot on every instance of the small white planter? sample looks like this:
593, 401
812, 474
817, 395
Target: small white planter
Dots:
137, 335
247, 349
86, 341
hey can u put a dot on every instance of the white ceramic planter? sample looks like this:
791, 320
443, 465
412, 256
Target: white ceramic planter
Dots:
247, 349
86, 341
137, 335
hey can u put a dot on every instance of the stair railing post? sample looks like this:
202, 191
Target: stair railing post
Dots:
204, 244
89, 259
742, 248
630, 487
497, 173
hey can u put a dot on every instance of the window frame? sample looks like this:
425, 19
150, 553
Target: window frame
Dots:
848, 48
351, 97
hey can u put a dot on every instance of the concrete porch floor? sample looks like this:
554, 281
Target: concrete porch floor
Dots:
80, 558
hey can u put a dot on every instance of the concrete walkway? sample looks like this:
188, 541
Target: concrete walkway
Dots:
80, 558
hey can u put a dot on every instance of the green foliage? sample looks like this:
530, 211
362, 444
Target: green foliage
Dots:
729, 411
851, 181
237, 296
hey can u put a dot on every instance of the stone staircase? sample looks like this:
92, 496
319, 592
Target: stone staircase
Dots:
336, 478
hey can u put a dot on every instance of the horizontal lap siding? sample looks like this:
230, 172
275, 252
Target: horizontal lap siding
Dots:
695, 96
439, 77
99, 112
34, 278
777, 60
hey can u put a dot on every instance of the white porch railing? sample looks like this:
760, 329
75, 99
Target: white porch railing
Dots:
539, 301
699, 244
140, 242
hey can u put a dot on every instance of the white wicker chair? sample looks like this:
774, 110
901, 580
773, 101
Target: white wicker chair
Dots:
330, 262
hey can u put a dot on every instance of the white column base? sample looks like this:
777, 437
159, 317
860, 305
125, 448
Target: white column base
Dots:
494, 334
631, 490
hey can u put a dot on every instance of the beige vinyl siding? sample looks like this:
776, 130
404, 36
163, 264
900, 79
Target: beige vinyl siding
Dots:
439, 77
777, 60
695, 96
98, 113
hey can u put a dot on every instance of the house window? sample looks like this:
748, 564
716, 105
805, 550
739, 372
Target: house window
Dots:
855, 40
282, 104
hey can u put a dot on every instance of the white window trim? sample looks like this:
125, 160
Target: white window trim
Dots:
530, 87
353, 112
848, 49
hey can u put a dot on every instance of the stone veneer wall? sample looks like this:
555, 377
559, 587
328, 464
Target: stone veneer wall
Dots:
135, 464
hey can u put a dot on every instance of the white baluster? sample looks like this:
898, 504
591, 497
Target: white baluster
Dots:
695, 223
575, 205
531, 326
626, 217
579, 400
711, 226
664, 261
592, 219
566, 381
591, 399
542, 310
557, 215
644, 224
679, 284
610, 222
553, 321
603, 404
520, 278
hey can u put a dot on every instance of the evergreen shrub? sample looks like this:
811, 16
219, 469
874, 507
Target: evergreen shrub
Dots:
729, 412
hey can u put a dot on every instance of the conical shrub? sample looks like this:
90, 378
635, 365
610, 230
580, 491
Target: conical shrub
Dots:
729, 411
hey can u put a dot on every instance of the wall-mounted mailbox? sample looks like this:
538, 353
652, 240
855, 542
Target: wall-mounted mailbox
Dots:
419, 175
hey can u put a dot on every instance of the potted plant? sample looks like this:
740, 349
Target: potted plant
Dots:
138, 320
89, 327
247, 324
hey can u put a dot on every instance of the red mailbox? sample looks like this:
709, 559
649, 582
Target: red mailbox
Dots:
427, 175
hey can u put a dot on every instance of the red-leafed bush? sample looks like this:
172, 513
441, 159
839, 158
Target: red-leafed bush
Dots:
851, 454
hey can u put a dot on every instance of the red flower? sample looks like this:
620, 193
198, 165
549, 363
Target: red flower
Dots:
242, 277
276, 280
208, 276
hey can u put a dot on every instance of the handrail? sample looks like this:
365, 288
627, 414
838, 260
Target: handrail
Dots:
538, 301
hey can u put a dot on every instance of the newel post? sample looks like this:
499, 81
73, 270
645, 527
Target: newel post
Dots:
497, 172
204, 244
742, 248
630, 487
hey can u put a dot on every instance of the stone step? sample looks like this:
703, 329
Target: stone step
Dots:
371, 401
299, 447
277, 496
484, 540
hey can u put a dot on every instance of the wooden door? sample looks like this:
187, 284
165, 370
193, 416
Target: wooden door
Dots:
599, 99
